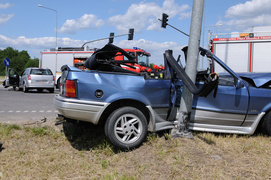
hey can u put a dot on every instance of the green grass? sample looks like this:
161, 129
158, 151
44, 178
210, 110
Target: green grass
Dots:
83, 152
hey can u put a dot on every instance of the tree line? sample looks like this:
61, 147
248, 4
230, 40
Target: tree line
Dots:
19, 60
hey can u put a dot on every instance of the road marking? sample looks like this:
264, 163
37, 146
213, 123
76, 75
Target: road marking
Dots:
29, 111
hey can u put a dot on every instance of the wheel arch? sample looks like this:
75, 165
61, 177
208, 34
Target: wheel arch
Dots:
122, 103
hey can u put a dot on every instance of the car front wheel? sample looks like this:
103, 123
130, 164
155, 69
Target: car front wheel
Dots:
25, 89
126, 128
266, 124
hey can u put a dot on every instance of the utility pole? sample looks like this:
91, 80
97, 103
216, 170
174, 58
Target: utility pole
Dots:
182, 121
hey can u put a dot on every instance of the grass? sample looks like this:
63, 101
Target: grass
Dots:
82, 152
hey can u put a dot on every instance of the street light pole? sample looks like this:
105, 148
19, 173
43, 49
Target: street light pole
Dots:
56, 18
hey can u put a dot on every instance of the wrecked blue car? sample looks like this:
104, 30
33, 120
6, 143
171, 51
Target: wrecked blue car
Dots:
130, 104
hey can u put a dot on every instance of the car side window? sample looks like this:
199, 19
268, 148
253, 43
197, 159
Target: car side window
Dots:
24, 73
225, 78
12, 73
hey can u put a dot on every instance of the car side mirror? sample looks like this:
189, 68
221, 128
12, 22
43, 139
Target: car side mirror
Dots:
239, 84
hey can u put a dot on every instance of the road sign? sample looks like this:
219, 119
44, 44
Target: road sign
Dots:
7, 62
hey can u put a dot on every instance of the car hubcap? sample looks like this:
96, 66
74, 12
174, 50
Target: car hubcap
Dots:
128, 128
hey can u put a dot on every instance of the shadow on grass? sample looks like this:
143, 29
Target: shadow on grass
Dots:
85, 136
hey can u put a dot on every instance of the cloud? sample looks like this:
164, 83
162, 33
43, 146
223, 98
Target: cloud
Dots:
243, 16
5, 18
35, 45
249, 9
5, 6
139, 16
144, 16
87, 21
42, 42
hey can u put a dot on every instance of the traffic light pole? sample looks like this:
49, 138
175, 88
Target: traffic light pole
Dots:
184, 112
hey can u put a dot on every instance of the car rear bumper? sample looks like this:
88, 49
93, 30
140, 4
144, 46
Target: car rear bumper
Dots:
33, 84
89, 111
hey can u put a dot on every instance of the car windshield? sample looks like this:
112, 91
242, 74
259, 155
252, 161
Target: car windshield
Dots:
41, 72
143, 59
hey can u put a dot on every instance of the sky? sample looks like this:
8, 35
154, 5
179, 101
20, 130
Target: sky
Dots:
26, 26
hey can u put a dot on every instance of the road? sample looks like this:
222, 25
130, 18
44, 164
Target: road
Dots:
17, 106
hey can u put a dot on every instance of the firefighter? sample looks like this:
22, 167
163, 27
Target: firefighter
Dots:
161, 72
154, 72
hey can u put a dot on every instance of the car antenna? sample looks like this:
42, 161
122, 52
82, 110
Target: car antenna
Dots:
164, 24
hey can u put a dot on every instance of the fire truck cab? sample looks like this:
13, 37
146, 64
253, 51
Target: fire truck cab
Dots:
141, 58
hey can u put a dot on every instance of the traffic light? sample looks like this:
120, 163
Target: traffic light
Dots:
131, 34
164, 20
111, 39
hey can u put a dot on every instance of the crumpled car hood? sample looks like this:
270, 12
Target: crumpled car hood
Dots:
259, 79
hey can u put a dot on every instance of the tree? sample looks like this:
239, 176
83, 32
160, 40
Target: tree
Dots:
32, 63
18, 60
151, 65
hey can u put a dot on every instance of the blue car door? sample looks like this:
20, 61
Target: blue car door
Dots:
229, 106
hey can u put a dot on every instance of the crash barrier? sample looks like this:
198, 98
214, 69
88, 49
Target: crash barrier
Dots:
209, 85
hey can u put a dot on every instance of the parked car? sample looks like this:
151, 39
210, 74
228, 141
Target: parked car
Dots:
129, 104
31, 78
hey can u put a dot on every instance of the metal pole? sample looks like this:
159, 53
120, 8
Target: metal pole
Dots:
56, 18
182, 123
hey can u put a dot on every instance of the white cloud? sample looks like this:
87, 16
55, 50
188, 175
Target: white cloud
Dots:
243, 16
138, 16
249, 9
35, 45
5, 6
5, 18
87, 21
144, 16
42, 42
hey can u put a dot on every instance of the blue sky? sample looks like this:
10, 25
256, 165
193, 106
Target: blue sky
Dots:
25, 26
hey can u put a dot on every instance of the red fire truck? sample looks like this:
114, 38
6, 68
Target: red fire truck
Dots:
141, 57
54, 59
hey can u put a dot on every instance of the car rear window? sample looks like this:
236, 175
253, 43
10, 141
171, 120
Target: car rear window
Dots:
41, 72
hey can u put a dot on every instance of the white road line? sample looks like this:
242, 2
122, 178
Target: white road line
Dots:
26, 111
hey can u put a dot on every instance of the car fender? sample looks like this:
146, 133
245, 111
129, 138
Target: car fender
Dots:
266, 108
128, 95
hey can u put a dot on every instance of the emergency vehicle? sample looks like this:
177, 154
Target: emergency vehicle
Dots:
247, 52
54, 59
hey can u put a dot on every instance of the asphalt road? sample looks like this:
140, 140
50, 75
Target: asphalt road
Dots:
17, 106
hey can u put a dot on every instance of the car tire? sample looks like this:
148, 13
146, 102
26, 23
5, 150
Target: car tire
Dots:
52, 90
25, 89
266, 124
15, 88
126, 128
